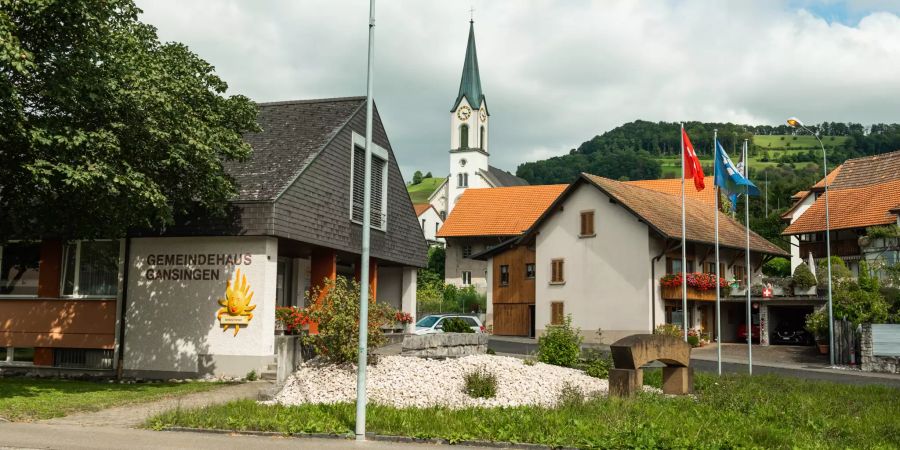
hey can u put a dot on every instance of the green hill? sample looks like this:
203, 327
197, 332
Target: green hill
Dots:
419, 193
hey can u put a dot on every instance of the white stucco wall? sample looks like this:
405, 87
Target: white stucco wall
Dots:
607, 277
390, 286
171, 326
455, 264
432, 223
796, 257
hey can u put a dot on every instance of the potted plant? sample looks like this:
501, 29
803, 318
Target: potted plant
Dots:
403, 318
817, 325
804, 281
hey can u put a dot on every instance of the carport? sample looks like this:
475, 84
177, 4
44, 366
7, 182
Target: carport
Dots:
789, 318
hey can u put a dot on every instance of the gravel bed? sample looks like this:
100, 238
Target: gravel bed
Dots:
403, 381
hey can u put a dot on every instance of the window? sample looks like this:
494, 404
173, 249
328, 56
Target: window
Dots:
423, 224
437, 227
467, 251
443, 215
378, 194
557, 313
710, 267
529, 271
673, 265
19, 264
463, 136
556, 271
481, 138
462, 180
504, 275
739, 274
91, 268
466, 278
587, 223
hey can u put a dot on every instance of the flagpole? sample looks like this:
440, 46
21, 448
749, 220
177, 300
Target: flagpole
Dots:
718, 275
362, 356
684, 312
747, 259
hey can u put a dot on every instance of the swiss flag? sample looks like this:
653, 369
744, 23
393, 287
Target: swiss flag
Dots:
692, 168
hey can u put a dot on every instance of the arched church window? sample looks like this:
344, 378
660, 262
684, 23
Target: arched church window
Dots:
481, 138
462, 180
464, 136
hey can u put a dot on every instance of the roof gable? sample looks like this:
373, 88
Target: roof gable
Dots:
504, 211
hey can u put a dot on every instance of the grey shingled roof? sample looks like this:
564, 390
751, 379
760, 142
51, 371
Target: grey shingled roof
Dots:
293, 133
501, 178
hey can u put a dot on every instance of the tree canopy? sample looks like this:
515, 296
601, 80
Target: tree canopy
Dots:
103, 128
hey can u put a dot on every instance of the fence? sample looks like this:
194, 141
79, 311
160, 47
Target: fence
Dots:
846, 343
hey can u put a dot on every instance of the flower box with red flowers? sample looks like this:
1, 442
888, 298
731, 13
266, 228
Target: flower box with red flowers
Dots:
700, 286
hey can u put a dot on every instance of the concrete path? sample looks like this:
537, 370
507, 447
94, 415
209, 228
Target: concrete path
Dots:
129, 416
60, 436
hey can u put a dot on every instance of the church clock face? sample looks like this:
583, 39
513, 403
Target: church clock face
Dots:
464, 113
483, 114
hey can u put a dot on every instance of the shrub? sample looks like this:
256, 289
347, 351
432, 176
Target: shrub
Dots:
694, 340
817, 323
803, 277
491, 351
480, 383
529, 361
251, 376
471, 300
777, 267
669, 329
839, 272
337, 313
597, 364
861, 306
456, 325
560, 345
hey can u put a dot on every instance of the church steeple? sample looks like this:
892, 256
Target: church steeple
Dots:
470, 83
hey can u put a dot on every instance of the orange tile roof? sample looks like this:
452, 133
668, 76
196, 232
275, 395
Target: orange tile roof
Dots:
663, 212
672, 186
850, 208
862, 192
504, 211
799, 195
831, 176
421, 208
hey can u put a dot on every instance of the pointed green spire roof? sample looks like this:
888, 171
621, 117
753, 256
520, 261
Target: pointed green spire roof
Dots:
470, 83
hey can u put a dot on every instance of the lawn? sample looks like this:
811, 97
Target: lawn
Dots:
731, 411
805, 141
419, 193
27, 399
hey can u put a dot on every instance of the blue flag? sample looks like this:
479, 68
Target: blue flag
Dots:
729, 178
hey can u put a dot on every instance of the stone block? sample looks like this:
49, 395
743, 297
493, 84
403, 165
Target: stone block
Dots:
678, 380
622, 382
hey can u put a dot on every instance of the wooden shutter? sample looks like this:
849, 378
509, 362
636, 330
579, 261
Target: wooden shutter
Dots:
359, 182
587, 223
359, 174
557, 271
556, 313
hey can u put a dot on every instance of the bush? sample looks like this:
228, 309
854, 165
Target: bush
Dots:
693, 340
669, 329
472, 301
251, 376
337, 313
456, 325
839, 272
597, 364
480, 383
817, 323
777, 267
803, 277
560, 345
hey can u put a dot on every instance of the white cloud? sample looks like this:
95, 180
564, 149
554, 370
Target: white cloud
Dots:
554, 73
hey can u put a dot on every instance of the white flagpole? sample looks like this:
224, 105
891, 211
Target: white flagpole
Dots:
718, 275
684, 313
747, 260
362, 357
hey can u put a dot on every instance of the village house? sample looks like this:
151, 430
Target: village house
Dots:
199, 298
863, 193
598, 254
431, 222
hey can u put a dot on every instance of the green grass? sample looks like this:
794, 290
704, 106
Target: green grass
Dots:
731, 411
419, 193
27, 399
775, 142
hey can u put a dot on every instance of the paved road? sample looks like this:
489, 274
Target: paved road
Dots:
75, 437
732, 363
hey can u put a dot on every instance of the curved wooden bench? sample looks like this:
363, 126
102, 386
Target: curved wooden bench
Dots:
633, 352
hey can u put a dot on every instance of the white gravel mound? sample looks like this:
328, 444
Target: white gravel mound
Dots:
402, 381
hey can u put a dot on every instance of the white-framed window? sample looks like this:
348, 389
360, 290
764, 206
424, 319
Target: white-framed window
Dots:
379, 182
466, 278
90, 269
19, 268
462, 180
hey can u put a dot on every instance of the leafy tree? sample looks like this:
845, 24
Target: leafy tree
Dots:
103, 128
417, 177
429, 175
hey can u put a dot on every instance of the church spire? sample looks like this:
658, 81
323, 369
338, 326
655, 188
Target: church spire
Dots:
470, 83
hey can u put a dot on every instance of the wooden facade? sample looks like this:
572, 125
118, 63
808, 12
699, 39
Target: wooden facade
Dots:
513, 295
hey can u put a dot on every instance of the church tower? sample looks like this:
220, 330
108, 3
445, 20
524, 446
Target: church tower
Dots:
469, 119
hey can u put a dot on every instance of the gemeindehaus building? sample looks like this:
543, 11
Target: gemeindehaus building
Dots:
200, 298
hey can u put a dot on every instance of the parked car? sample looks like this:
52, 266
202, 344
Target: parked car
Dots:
742, 332
791, 333
434, 323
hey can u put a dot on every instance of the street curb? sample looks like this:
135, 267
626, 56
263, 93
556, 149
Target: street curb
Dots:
372, 437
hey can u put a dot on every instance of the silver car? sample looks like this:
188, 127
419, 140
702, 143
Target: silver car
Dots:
434, 323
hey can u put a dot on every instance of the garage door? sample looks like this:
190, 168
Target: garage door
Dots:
512, 319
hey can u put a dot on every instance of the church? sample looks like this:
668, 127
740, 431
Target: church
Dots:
469, 140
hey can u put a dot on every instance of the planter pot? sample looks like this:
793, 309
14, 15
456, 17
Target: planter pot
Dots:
804, 292
823, 348
674, 293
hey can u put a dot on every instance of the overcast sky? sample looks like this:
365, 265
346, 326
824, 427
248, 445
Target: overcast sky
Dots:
555, 73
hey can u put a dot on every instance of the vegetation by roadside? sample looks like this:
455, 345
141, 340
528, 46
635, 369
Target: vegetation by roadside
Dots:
731, 411
27, 399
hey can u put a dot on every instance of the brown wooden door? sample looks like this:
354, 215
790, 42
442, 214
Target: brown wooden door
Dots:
512, 319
